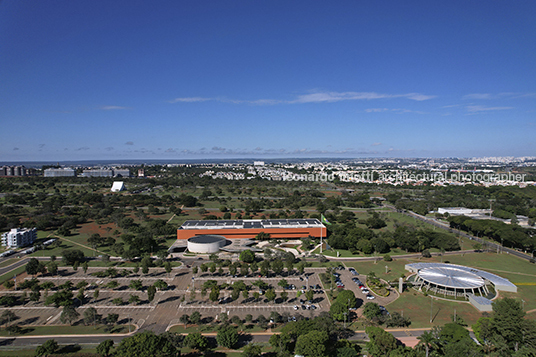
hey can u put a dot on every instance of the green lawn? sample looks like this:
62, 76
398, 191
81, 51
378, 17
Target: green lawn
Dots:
10, 275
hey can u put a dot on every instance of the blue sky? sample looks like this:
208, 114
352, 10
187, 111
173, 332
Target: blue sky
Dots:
223, 79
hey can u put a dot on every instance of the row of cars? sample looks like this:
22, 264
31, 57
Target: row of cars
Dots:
363, 288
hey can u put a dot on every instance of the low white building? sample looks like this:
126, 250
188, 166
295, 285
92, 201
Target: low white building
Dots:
118, 186
455, 211
18, 237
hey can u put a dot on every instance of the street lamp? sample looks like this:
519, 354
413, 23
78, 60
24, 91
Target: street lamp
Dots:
431, 307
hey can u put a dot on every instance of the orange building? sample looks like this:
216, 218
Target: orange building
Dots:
249, 228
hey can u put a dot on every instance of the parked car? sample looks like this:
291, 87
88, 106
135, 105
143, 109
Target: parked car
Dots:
370, 297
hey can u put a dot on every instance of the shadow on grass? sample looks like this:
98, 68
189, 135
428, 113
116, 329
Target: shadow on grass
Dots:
69, 349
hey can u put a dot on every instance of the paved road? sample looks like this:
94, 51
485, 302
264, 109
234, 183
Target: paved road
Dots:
18, 264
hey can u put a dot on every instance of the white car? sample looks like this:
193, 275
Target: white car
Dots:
296, 307
370, 297
364, 291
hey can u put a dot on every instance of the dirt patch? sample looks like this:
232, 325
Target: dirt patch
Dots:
93, 227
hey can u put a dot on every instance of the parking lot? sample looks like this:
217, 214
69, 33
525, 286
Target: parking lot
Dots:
168, 305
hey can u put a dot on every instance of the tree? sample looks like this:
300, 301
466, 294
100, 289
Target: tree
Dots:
263, 236
160, 284
134, 299
167, 266
247, 256
96, 294
372, 310
151, 291
69, 314
60, 298
90, 315
265, 267
196, 341
427, 340
32, 267
195, 318
309, 294
84, 268
47, 348
282, 283
35, 295
227, 336
277, 266
312, 344
111, 319
145, 344
136, 285
381, 342
301, 267
184, 319
144, 267
214, 294
507, 322
69, 256
289, 264
270, 294
284, 295
252, 350
104, 347
7, 317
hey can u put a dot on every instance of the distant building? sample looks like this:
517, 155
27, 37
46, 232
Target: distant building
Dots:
16, 171
118, 186
18, 237
141, 173
97, 173
258, 163
64, 172
455, 211
121, 172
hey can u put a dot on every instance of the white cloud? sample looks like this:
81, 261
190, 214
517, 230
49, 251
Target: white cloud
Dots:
376, 110
396, 110
507, 95
477, 96
190, 100
316, 97
376, 144
481, 108
112, 107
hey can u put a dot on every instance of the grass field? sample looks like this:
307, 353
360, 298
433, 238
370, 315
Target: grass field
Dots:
10, 275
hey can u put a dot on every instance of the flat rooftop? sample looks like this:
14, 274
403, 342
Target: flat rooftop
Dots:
253, 223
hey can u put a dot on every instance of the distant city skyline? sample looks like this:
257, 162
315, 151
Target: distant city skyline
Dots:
181, 80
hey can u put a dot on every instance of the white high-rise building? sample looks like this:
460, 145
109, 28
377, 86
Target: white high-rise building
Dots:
18, 237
